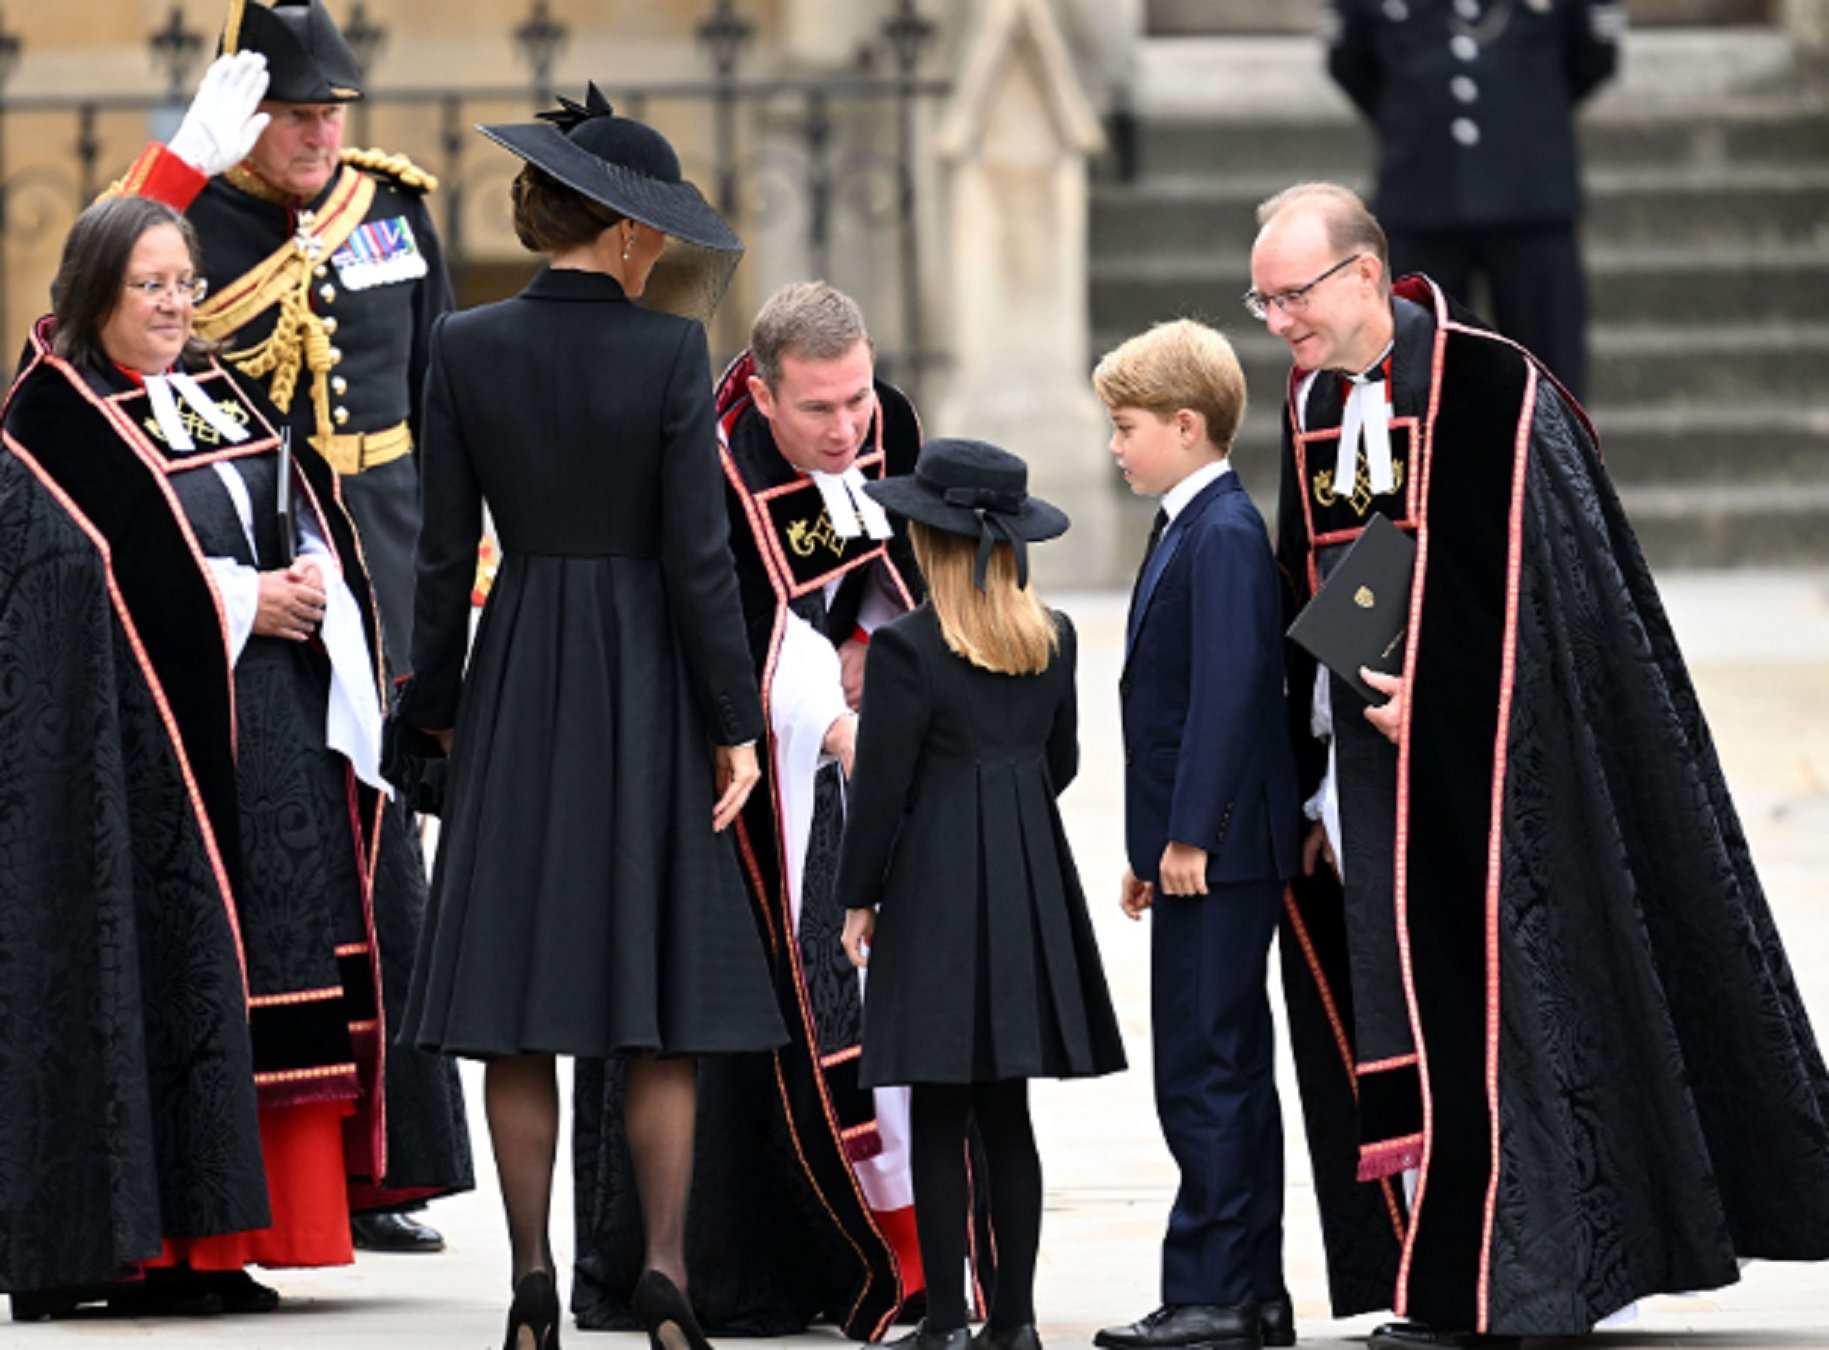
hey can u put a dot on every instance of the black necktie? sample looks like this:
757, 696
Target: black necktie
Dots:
1157, 526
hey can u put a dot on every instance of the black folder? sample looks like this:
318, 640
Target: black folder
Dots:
1361, 614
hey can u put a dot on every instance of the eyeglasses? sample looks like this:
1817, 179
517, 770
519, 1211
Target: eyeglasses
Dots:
184, 288
1294, 300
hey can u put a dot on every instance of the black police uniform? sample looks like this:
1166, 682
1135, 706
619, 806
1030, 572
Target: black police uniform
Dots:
1474, 104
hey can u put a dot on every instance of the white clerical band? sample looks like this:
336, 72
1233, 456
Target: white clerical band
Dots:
1367, 417
853, 510
165, 410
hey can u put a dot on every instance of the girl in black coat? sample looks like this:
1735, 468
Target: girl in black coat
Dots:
986, 974
585, 903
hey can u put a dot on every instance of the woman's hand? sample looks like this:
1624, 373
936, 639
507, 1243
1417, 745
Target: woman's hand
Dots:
291, 602
737, 775
860, 928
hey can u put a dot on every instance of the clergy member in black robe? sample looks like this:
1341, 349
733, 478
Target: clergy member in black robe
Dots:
1552, 1055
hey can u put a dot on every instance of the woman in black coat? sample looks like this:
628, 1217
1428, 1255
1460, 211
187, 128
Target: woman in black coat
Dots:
583, 904
985, 972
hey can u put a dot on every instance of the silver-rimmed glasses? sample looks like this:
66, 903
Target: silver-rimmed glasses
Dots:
1295, 299
182, 288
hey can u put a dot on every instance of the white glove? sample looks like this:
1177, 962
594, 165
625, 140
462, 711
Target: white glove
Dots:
222, 124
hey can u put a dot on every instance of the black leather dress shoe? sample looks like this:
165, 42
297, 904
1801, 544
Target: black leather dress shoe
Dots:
1411, 1335
393, 1233
1188, 1326
1277, 1319
923, 1339
1024, 1337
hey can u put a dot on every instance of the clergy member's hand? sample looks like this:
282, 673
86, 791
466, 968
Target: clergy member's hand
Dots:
1134, 896
860, 928
291, 603
841, 741
737, 774
224, 119
1385, 716
1317, 847
1183, 870
851, 654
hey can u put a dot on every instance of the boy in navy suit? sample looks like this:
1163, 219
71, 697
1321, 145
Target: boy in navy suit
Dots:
1212, 823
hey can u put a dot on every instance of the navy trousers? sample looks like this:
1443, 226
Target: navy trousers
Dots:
1216, 1096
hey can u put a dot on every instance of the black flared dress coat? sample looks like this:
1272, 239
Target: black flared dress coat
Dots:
984, 964
581, 902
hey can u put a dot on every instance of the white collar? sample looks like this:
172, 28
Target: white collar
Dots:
165, 409
853, 511
1175, 500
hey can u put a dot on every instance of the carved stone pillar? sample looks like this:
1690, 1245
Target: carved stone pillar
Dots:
1014, 143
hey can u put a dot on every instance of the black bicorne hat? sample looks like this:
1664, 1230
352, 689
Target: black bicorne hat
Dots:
978, 490
623, 164
307, 59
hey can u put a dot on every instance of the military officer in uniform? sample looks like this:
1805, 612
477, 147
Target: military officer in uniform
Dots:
325, 276
1473, 102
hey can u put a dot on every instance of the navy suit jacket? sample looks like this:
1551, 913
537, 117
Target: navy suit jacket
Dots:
1207, 758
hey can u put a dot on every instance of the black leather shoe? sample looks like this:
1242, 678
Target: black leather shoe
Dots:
46, 1304
239, 1291
1023, 1337
1276, 1317
960, 1338
173, 1292
667, 1314
1411, 1335
393, 1233
1188, 1326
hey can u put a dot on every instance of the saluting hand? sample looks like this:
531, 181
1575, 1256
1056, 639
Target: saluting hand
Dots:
737, 775
291, 602
860, 928
224, 119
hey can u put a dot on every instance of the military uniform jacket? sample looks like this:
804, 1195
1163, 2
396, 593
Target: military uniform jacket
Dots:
1473, 101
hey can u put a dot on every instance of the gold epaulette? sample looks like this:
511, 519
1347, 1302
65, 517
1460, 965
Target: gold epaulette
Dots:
397, 167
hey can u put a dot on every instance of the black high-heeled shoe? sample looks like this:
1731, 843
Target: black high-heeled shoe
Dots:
666, 1314
533, 1317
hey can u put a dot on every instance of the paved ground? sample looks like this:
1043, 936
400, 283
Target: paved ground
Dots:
1759, 647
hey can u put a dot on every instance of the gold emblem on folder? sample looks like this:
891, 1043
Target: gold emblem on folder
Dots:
1364, 598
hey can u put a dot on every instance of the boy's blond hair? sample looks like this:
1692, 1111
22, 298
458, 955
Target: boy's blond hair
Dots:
1176, 365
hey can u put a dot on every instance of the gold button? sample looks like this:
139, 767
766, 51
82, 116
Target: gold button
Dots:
339, 386
336, 355
320, 271
330, 325
340, 416
327, 292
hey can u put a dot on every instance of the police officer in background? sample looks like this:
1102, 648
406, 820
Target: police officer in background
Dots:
325, 276
1473, 102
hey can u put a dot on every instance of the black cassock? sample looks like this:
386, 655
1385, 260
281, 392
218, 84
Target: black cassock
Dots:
1553, 982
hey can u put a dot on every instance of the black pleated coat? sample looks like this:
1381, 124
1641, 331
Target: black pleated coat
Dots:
984, 964
582, 904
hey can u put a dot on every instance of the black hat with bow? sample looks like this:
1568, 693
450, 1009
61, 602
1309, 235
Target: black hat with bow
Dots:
307, 59
623, 164
978, 490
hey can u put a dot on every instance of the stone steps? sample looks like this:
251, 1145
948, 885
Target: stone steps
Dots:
1690, 285
1706, 242
1757, 206
1654, 364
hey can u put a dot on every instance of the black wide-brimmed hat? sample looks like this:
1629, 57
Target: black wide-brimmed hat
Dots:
623, 164
307, 59
978, 490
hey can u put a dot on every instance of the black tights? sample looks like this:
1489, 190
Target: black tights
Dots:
521, 1096
939, 1113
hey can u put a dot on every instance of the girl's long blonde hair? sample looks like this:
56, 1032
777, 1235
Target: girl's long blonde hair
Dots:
1005, 628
